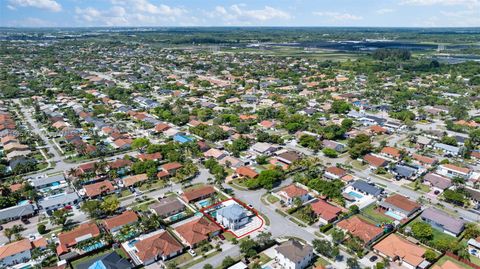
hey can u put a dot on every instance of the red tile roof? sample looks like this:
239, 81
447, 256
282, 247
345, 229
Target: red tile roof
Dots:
336, 171
69, 239
360, 228
198, 193
95, 189
325, 210
127, 217
14, 248
246, 171
293, 191
150, 156
395, 246
162, 244
197, 231
391, 152
171, 166
375, 161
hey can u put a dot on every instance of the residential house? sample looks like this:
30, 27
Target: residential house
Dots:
198, 194
214, 153
17, 212
291, 192
443, 222
58, 201
474, 246
197, 231
233, 216
374, 161
334, 172
447, 149
172, 168
116, 223
98, 189
424, 160
132, 180
150, 156
400, 205
391, 153
339, 147
451, 171
288, 157
159, 246
247, 172
326, 212
68, 240
15, 253
263, 148
292, 254
360, 228
49, 183
167, 207
437, 182
405, 171
395, 248
366, 188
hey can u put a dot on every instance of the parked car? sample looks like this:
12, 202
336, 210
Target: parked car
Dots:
373, 258
221, 236
192, 252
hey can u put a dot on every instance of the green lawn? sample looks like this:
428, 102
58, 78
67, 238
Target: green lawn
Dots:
370, 213
185, 257
358, 165
321, 262
436, 233
422, 187
272, 199
446, 258
158, 184
475, 260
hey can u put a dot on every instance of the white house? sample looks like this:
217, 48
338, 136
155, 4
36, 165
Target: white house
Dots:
450, 170
294, 255
233, 216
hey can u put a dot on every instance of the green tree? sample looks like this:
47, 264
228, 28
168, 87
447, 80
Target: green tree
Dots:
59, 217
331, 153
42, 229
430, 255
248, 247
110, 204
92, 208
337, 235
352, 263
227, 262
140, 142
422, 231
340, 107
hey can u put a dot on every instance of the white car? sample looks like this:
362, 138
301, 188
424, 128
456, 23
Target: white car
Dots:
192, 252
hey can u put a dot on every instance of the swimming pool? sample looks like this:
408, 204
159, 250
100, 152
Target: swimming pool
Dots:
266, 267
93, 247
204, 203
393, 215
355, 194
132, 243
176, 216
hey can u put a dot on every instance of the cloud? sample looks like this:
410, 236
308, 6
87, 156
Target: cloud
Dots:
440, 2
50, 5
239, 14
337, 16
30, 22
145, 7
133, 13
384, 11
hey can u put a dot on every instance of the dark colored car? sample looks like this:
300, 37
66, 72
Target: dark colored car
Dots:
221, 236
373, 258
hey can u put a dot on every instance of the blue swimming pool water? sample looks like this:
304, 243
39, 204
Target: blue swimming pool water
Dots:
266, 267
176, 216
204, 203
355, 194
393, 215
55, 183
132, 243
24, 202
93, 247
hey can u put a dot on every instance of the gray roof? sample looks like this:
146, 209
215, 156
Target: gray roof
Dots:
448, 222
17, 211
438, 181
367, 188
405, 171
232, 212
294, 251
45, 181
109, 261
167, 205
446, 147
60, 199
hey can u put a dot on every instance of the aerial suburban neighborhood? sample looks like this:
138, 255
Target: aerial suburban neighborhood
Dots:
236, 148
